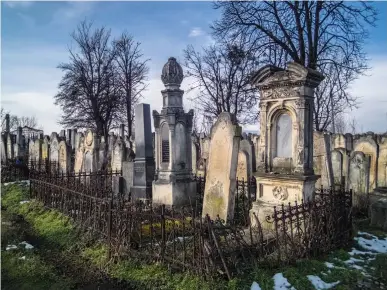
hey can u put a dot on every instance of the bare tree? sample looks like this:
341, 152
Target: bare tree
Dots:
132, 73
88, 92
221, 74
15, 121
321, 35
332, 97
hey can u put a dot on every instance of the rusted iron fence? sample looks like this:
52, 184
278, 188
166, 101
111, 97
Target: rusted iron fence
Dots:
14, 170
183, 239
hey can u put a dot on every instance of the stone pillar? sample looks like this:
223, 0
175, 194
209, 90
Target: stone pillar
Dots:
7, 128
73, 138
19, 136
144, 165
122, 131
62, 133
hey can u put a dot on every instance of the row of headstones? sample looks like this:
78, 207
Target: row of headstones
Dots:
357, 162
247, 155
72, 150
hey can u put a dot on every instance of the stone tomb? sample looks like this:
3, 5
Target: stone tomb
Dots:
285, 164
243, 172
220, 187
118, 154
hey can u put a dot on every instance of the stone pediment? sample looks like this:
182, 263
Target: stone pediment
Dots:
294, 75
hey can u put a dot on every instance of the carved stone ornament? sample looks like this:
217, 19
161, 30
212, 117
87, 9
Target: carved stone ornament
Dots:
280, 193
279, 93
172, 73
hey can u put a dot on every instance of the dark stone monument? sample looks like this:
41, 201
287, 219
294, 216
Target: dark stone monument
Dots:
144, 165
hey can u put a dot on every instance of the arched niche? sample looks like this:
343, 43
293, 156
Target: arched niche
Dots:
165, 144
281, 140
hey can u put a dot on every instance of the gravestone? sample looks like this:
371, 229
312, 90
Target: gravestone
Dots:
118, 154
144, 165
45, 148
359, 168
247, 147
31, 151
64, 158
54, 147
195, 156
88, 163
220, 187
127, 175
337, 166
3, 148
38, 149
243, 166
10, 153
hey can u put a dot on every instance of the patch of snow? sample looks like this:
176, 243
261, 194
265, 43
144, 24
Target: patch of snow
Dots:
22, 258
11, 247
24, 201
27, 245
255, 286
329, 265
320, 284
376, 245
280, 282
358, 252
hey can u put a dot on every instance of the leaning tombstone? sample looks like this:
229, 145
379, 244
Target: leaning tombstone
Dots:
220, 188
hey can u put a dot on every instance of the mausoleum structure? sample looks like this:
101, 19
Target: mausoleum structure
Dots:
285, 155
174, 183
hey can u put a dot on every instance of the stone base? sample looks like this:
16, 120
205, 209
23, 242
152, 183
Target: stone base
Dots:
276, 189
141, 192
177, 193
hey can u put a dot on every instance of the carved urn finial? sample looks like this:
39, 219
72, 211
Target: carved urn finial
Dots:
172, 74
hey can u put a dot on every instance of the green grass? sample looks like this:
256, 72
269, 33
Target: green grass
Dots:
58, 232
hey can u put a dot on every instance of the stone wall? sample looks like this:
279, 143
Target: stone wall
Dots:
338, 154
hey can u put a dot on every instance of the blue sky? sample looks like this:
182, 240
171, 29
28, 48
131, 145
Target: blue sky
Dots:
35, 37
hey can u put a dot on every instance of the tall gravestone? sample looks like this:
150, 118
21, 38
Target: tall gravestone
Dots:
144, 165
174, 183
220, 188
285, 170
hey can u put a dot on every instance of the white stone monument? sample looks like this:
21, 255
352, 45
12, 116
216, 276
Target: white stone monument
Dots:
174, 183
285, 156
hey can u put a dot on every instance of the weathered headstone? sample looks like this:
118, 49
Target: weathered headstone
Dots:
359, 169
64, 158
337, 166
243, 165
117, 154
247, 147
45, 148
54, 147
127, 175
88, 163
220, 188
144, 165
10, 153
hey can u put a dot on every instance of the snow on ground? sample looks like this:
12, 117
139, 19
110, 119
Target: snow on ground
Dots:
319, 284
374, 244
26, 182
22, 258
27, 245
280, 282
255, 286
11, 247
24, 201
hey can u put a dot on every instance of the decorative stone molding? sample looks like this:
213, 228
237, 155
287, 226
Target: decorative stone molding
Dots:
280, 193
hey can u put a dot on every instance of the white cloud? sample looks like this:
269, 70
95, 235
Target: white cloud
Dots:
372, 112
18, 4
72, 11
195, 32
